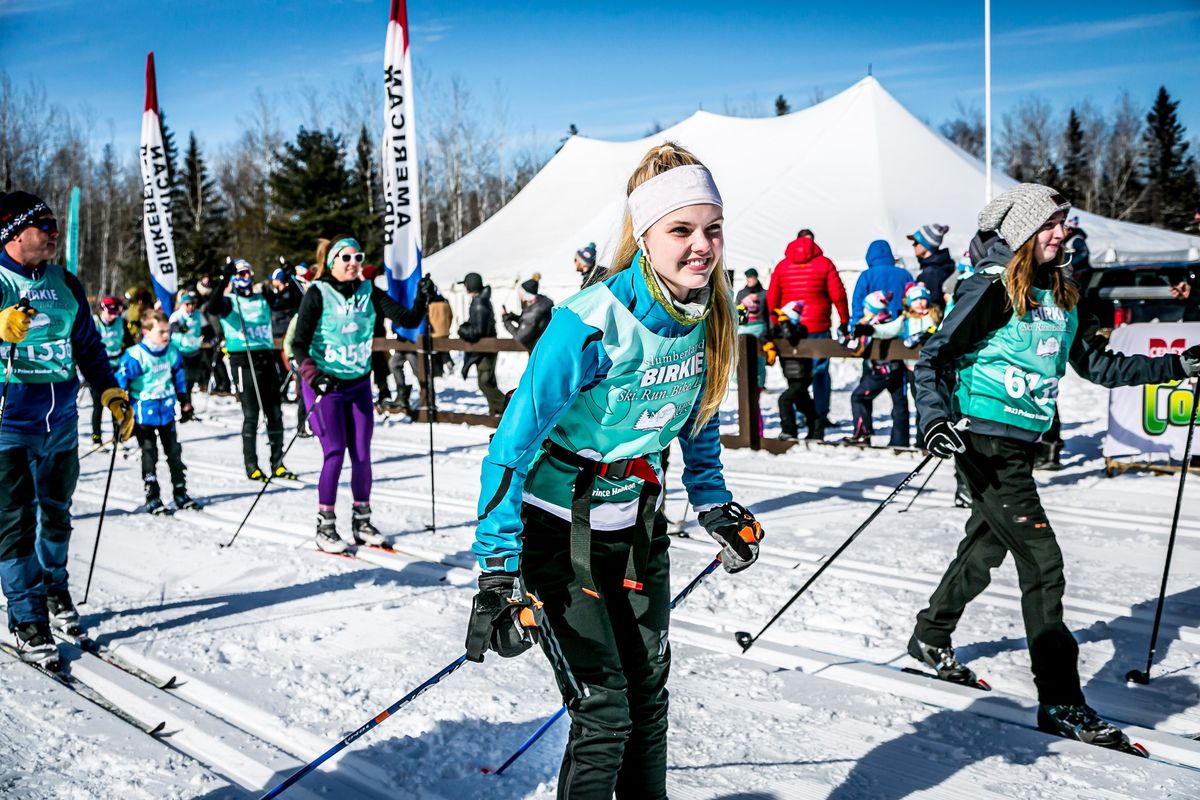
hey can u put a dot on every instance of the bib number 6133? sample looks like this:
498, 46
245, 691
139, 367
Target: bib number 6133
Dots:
1018, 383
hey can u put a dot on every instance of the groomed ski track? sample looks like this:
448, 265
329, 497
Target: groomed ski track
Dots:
817, 658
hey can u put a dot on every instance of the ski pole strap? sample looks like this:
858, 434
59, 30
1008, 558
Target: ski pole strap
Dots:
581, 512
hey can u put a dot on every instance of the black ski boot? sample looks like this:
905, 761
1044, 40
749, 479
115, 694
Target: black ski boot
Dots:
154, 503
327, 535
816, 430
183, 500
96, 438
63, 615
1082, 723
943, 661
36, 645
364, 531
256, 474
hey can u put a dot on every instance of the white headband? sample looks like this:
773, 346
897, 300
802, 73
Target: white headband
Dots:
670, 191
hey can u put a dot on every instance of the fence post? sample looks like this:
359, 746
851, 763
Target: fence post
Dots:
747, 381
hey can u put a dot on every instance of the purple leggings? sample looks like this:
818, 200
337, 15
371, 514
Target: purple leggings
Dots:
344, 418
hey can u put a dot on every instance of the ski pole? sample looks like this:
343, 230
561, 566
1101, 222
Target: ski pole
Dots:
746, 641
270, 476
262, 410
98, 448
924, 483
350, 737
112, 462
430, 411
545, 726
8, 369
1135, 676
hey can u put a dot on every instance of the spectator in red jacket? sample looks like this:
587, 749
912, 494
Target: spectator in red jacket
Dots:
805, 274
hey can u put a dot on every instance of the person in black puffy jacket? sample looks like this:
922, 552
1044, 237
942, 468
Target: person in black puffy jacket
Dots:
481, 324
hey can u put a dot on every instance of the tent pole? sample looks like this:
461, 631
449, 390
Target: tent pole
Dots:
987, 99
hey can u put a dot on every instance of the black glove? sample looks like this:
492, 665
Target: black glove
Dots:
843, 332
426, 288
942, 439
310, 373
863, 329
1190, 361
228, 271
504, 618
738, 533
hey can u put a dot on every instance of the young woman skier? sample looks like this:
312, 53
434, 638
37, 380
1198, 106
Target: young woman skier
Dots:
572, 479
996, 363
331, 346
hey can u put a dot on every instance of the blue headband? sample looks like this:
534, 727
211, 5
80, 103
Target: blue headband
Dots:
340, 244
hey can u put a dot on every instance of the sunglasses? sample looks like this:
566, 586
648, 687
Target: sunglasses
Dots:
46, 225
357, 258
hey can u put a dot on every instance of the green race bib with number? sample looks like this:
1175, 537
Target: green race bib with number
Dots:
254, 316
1012, 378
341, 344
112, 335
46, 355
188, 341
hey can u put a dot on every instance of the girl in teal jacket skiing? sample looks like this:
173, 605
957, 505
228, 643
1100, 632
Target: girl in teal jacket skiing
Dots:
994, 367
572, 481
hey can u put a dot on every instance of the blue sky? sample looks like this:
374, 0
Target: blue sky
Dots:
612, 69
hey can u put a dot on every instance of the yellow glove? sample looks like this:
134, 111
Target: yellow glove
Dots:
14, 323
116, 401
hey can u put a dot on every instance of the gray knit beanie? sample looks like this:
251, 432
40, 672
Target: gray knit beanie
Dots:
1020, 211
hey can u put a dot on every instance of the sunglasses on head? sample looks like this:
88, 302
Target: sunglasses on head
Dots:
357, 258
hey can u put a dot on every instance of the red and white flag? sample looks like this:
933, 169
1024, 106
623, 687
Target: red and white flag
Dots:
401, 205
156, 198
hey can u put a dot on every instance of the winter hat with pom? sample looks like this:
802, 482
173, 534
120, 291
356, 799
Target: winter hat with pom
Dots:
930, 236
587, 254
915, 292
876, 302
530, 287
1019, 212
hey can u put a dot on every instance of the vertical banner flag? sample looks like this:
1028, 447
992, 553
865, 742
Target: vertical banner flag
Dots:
156, 198
71, 250
401, 206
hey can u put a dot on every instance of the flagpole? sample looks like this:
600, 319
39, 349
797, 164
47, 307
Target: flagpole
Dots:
987, 100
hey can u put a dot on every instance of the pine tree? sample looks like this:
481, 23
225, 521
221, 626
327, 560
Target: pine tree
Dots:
1169, 170
201, 220
781, 106
1076, 169
312, 194
366, 192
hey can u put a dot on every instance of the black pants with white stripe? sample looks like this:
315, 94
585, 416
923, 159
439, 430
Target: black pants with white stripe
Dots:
611, 657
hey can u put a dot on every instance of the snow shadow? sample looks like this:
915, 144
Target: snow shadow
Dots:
445, 761
1107, 691
938, 747
207, 608
856, 486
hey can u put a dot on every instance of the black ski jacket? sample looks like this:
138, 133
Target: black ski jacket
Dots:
980, 310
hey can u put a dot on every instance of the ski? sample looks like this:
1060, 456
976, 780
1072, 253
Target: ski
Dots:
897, 449
978, 683
92, 647
87, 693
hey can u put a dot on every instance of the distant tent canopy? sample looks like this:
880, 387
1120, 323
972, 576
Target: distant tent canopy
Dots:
855, 168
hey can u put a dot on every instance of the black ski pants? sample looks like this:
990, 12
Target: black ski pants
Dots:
147, 439
796, 397
878, 377
259, 366
1007, 517
611, 658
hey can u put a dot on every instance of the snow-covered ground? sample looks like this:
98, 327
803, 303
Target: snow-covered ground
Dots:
279, 651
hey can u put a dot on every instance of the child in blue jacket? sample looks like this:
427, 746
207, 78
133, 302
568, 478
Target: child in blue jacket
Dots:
153, 375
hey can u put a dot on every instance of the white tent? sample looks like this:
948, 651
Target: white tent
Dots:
854, 168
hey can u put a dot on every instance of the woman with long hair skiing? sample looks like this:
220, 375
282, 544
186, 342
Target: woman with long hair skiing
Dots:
572, 480
331, 347
994, 367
